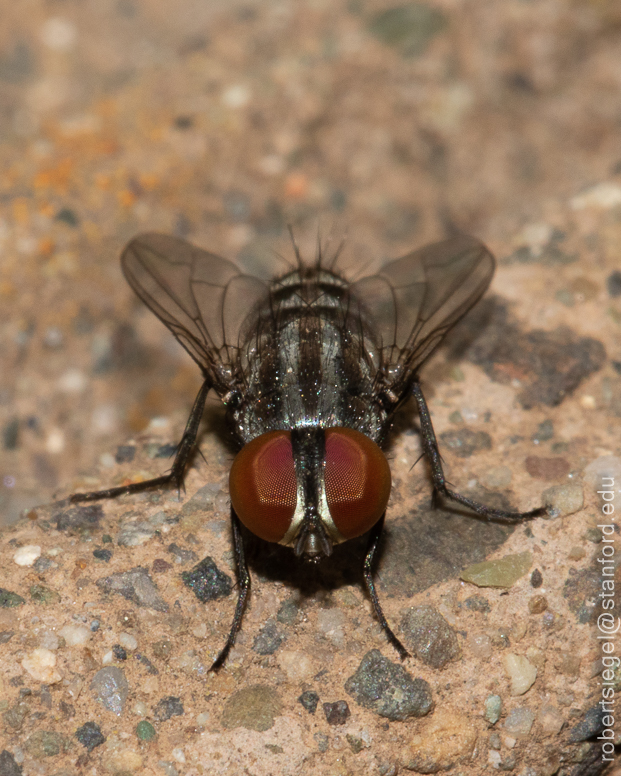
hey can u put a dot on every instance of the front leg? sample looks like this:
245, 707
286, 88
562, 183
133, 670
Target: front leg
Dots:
430, 448
175, 475
243, 579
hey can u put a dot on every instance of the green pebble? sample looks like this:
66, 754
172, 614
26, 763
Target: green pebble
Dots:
145, 731
503, 572
493, 707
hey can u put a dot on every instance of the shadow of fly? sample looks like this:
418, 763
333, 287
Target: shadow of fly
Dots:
311, 369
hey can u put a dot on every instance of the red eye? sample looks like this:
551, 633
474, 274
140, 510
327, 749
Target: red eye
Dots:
263, 486
357, 478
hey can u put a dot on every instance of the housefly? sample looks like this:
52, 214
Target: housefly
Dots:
311, 369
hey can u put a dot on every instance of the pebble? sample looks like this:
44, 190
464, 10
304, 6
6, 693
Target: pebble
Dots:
550, 719
90, 735
409, 28
27, 555
9, 599
8, 764
564, 499
536, 579
145, 731
181, 555
43, 564
331, 623
547, 468
110, 688
590, 725
502, 572
128, 641
46, 743
545, 432
268, 640
446, 738
168, 707
613, 284
309, 699
477, 603
77, 520
464, 442
604, 466
388, 689
44, 595
104, 555
207, 581
480, 645
296, 665
429, 636
75, 635
603, 195
41, 665
336, 713
49, 640
134, 534
497, 477
493, 708
537, 604
125, 761
254, 708
519, 721
125, 454
520, 671
136, 586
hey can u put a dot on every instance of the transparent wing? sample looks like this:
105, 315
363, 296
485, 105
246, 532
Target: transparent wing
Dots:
202, 298
415, 300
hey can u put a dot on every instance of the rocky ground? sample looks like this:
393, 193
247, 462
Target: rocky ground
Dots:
397, 125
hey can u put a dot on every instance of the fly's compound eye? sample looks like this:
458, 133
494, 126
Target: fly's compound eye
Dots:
263, 485
357, 481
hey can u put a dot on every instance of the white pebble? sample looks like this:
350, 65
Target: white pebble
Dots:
72, 381
41, 665
236, 96
75, 635
55, 442
27, 555
202, 718
108, 658
49, 640
58, 34
127, 641
520, 671
603, 195
297, 665
178, 755
140, 709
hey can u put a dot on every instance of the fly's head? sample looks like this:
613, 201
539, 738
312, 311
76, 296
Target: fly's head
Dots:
310, 488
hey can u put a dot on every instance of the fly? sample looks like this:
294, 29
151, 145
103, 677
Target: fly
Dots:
311, 369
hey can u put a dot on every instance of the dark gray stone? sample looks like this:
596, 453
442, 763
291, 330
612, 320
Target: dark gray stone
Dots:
90, 735
388, 689
207, 581
136, 586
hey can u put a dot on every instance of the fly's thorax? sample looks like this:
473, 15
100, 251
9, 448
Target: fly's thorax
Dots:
310, 488
309, 359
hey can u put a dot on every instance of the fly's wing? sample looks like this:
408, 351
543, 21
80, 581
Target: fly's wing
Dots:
415, 300
202, 298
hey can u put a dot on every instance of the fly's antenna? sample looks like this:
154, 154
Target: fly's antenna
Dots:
296, 250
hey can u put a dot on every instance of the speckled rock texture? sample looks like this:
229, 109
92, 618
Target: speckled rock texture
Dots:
395, 124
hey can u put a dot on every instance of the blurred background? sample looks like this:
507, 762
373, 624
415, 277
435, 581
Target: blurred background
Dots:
222, 122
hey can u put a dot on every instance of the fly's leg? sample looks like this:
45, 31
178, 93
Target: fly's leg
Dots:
243, 578
175, 475
374, 540
430, 447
